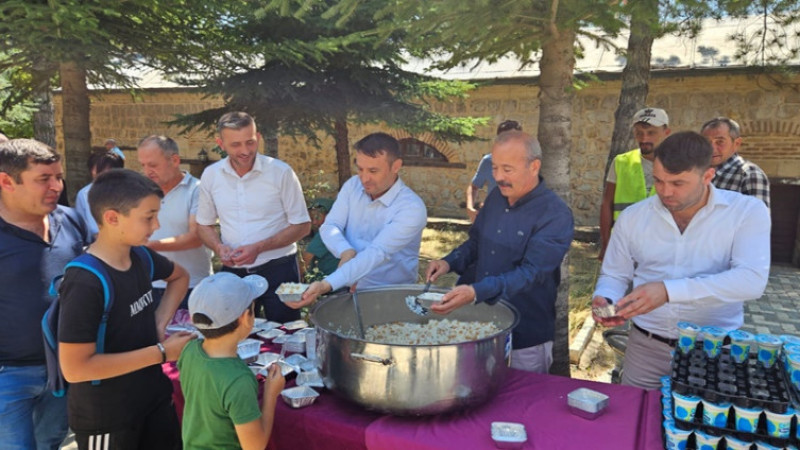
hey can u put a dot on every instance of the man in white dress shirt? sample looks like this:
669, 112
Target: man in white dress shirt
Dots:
176, 237
375, 225
261, 210
693, 252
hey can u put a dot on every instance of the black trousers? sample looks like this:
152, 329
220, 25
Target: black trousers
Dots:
276, 271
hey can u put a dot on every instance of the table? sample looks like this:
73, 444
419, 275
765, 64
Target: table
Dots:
631, 421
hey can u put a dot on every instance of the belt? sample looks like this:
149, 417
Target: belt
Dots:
668, 341
267, 265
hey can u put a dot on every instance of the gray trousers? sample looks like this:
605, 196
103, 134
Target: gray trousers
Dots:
537, 359
646, 361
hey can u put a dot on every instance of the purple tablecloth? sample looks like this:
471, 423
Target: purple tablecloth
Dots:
632, 420
540, 403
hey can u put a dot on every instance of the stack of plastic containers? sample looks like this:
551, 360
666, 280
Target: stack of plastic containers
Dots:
736, 396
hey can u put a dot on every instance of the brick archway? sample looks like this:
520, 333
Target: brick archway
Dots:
442, 146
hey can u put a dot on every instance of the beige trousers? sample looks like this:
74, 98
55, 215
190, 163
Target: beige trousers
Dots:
646, 361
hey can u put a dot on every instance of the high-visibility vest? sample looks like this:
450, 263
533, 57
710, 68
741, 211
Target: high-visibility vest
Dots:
630, 187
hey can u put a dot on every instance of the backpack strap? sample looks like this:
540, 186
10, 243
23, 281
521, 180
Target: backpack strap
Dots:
147, 259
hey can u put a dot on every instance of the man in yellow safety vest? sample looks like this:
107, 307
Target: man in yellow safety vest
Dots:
630, 177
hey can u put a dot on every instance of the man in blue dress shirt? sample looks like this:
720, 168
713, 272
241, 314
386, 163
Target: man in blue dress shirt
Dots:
375, 225
517, 243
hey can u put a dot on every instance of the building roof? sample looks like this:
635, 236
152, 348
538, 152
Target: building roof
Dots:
711, 48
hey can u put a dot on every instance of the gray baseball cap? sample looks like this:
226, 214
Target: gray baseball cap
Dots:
223, 297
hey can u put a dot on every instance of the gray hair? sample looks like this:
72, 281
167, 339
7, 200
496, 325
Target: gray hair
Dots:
733, 127
533, 150
167, 145
16, 155
235, 120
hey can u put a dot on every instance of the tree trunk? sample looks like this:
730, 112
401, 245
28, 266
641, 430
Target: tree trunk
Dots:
635, 75
75, 121
269, 131
555, 136
44, 122
342, 150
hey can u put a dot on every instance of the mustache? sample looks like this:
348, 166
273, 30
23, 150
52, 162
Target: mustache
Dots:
504, 183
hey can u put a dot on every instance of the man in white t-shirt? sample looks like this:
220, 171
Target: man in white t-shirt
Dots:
261, 210
176, 237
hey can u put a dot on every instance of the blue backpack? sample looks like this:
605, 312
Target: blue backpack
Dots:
55, 379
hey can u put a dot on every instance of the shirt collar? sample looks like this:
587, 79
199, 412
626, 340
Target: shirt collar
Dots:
389, 196
733, 161
186, 178
258, 166
55, 218
535, 192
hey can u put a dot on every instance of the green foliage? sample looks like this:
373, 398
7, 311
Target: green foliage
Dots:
15, 110
297, 71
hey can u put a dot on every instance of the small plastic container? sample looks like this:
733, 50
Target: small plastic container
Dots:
286, 368
310, 379
587, 403
295, 343
295, 325
296, 360
299, 396
687, 336
248, 350
265, 325
291, 292
509, 434
605, 312
267, 358
271, 334
685, 406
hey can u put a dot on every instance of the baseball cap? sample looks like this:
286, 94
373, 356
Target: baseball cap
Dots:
653, 116
223, 297
324, 204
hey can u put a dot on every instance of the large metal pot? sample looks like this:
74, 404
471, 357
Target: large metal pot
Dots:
407, 379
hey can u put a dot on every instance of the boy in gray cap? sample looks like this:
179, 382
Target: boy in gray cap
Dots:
219, 388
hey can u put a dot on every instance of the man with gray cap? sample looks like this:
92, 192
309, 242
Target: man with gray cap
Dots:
630, 177
221, 392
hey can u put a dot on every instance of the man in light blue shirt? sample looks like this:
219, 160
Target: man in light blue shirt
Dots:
375, 225
98, 163
176, 237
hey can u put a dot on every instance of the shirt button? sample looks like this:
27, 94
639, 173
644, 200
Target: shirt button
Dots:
492, 252
506, 209
499, 231
486, 273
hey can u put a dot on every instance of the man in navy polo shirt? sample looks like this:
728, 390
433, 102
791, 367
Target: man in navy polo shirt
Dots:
37, 238
517, 243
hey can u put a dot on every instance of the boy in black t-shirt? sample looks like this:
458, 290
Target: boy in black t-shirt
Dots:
131, 406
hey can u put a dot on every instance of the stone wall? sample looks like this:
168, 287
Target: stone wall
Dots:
769, 115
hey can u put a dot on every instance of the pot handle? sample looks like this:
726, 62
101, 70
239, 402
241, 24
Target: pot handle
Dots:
372, 358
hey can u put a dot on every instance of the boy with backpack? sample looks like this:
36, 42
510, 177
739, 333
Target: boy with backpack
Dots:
221, 392
119, 398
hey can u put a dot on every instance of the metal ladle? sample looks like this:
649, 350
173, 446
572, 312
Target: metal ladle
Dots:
359, 322
412, 301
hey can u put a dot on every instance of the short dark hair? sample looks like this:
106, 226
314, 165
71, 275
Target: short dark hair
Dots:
167, 145
733, 127
105, 160
214, 333
120, 190
234, 120
508, 125
377, 143
17, 155
684, 151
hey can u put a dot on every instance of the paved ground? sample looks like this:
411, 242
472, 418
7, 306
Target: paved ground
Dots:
778, 311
